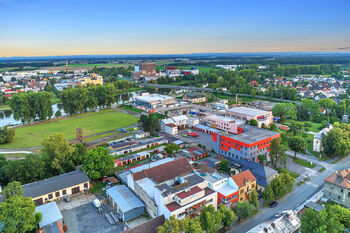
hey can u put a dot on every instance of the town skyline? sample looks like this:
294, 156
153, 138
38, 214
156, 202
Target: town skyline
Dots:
65, 28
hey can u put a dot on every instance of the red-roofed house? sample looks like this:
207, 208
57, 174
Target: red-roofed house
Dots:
246, 182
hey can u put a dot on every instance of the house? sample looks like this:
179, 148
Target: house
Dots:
263, 174
317, 144
173, 124
172, 188
226, 188
172, 71
125, 201
194, 98
337, 187
245, 113
131, 158
151, 226
56, 187
52, 220
246, 183
312, 205
170, 128
285, 222
194, 153
121, 148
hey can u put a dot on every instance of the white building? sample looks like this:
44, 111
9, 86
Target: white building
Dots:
154, 100
173, 124
317, 145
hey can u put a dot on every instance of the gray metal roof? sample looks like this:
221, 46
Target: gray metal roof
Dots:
247, 111
54, 184
50, 213
125, 199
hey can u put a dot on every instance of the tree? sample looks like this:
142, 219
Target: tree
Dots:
224, 166
253, 122
302, 113
273, 127
296, 127
253, 198
186, 225
278, 153
296, 144
228, 216
191, 225
284, 111
313, 222
310, 105
17, 215
262, 159
171, 225
171, 148
149, 123
13, 188
268, 194
327, 104
243, 210
337, 140
6, 135
97, 162
58, 154
78, 153
58, 113
210, 219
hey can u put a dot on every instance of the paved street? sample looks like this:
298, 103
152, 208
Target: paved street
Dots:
291, 201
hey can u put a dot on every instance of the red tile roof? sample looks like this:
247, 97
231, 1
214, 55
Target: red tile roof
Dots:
341, 178
167, 171
192, 191
149, 226
241, 178
173, 206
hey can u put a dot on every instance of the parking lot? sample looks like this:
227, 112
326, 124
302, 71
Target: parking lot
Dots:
85, 218
204, 139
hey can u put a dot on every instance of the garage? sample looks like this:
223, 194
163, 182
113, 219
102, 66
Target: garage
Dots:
38, 201
75, 190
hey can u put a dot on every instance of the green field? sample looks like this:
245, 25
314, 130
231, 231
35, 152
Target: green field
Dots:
7, 69
91, 123
97, 65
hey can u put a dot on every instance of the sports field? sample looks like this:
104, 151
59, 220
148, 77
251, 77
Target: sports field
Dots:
91, 123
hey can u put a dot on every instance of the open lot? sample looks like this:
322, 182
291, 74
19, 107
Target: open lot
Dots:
91, 123
86, 219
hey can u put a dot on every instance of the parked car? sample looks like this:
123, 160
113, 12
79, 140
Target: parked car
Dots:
273, 204
66, 198
96, 203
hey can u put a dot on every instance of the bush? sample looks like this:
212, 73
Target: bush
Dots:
6, 135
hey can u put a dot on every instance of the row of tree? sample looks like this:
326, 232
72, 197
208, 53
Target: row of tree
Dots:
56, 157
210, 221
29, 106
81, 99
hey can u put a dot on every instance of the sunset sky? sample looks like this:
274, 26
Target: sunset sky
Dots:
74, 27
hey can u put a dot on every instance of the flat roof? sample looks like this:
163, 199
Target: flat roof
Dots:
153, 98
251, 134
226, 119
55, 183
247, 111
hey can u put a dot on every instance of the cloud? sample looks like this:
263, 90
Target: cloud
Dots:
344, 48
2, 3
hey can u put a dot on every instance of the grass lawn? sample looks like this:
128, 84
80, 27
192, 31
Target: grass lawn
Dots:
322, 169
303, 163
130, 108
314, 126
91, 123
4, 69
97, 187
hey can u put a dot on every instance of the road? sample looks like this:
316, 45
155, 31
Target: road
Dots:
292, 200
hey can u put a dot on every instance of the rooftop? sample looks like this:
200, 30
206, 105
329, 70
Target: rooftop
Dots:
190, 192
125, 199
247, 111
225, 119
251, 134
340, 178
50, 213
55, 183
149, 226
241, 178
153, 98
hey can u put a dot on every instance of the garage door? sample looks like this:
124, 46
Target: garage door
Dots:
76, 190
38, 201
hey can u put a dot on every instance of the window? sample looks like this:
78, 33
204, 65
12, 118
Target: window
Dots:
242, 191
253, 185
338, 197
348, 194
64, 192
241, 199
341, 190
57, 194
50, 196
85, 185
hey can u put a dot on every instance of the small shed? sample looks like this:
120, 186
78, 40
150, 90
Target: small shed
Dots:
51, 217
126, 202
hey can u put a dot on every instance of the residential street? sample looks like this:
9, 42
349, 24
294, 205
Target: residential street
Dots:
298, 196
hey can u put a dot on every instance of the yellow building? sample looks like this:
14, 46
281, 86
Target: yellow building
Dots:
94, 79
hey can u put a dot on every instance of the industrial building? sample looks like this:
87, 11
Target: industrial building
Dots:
152, 101
227, 124
247, 144
195, 98
246, 114
56, 187
128, 205
144, 71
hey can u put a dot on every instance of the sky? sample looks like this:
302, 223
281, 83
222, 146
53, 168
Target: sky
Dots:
87, 27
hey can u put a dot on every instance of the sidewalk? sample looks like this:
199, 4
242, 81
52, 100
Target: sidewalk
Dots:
308, 158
